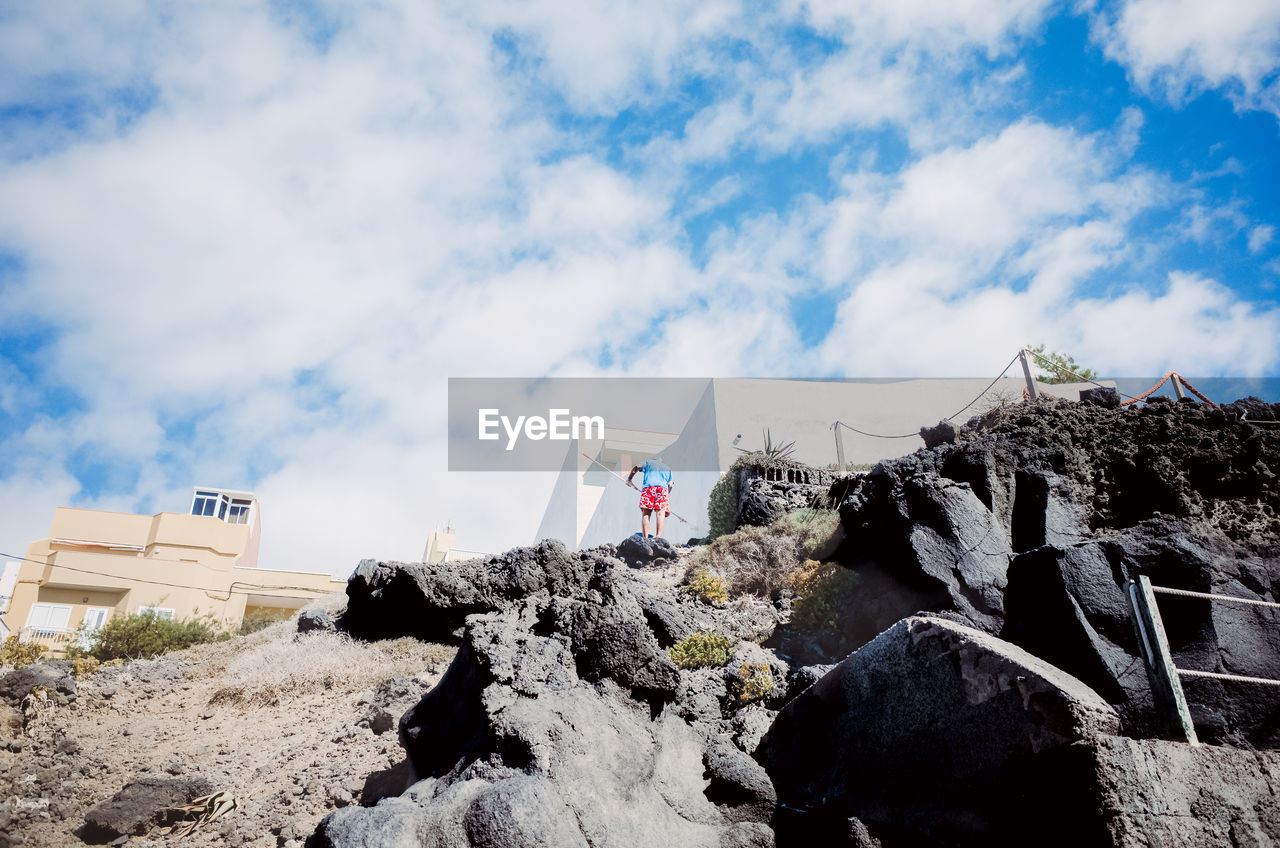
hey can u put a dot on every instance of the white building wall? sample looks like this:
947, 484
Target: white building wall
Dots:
8, 579
799, 411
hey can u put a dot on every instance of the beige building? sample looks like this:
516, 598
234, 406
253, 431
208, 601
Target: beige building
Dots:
442, 547
95, 565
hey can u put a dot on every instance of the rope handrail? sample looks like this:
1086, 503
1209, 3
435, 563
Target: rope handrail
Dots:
1231, 599
1218, 675
1080, 377
977, 398
1026, 395
1183, 380
1131, 399
1194, 391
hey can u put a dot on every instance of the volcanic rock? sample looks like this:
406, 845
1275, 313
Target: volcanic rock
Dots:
54, 678
643, 551
938, 530
558, 721
942, 433
140, 806
1104, 396
432, 600
315, 620
1070, 607
929, 733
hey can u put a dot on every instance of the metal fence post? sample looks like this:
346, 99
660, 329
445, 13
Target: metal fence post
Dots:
839, 448
1026, 371
1165, 686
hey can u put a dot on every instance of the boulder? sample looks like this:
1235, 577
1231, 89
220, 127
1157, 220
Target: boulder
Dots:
933, 733
387, 783
928, 542
562, 721
1153, 792
310, 621
738, 784
1069, 606
54, 678
942, 433
432, 600
645, 551
141, 806
937, 530
805, 676
1104, 396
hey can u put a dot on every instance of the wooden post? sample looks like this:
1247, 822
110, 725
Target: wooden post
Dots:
1026, 371
839, 448
1177, 388
1165, 686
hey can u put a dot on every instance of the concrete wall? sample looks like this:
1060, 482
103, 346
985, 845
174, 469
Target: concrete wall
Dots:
801, 411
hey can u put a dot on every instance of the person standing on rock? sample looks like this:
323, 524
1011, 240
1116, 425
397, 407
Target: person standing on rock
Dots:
654, 491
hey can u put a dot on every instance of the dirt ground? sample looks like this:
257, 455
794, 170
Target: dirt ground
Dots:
291, 725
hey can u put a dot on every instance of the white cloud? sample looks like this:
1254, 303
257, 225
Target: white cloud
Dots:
975, 251
265, 279
602, 55
989, 24
1182, 47
1260, 236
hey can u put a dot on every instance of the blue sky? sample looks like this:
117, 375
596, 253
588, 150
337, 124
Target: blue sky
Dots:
245, 244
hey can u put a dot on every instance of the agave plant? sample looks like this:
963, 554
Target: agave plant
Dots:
772, 452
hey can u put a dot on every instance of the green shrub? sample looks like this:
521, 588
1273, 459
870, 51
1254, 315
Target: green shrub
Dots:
760, 560
701, 650
708, 588
722, 505
814, 527
18, 654
83, 666
821, 590
132, 637
752, 682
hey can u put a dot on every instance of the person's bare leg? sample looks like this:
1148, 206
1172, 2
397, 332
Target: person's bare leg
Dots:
644, 523
661, 522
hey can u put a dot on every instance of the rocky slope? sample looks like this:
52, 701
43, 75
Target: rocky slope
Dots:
995, 695
1032, 521
1018, 705
291, 726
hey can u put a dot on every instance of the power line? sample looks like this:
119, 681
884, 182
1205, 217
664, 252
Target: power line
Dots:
163, 583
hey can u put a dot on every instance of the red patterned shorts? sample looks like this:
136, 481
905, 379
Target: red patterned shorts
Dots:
654, 497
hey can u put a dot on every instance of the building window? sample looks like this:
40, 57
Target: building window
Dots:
159, 612
239, 512
221, 506
49, 618
94, 619
205, 503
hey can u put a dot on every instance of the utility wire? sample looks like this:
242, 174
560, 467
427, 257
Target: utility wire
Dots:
169, 585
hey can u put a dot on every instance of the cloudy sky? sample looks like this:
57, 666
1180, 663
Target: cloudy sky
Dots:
245, 243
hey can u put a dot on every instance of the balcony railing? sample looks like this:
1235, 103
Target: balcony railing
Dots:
53, 639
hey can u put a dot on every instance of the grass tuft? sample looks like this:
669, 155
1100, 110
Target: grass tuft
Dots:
761, 560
